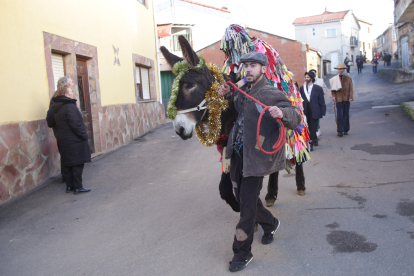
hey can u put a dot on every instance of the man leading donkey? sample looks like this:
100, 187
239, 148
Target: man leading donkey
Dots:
248, 164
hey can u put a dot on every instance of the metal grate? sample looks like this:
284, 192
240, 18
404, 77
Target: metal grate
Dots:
80, 88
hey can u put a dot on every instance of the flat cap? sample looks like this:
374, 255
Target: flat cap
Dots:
255, 57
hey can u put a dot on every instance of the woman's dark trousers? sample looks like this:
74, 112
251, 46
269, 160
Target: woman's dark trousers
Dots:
342, 118
247, 191
74, 176
359, 69
348, 68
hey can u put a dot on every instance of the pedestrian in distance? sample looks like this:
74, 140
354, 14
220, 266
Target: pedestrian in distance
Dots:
313, 106
342, 95
322, 84
374, 63
50, 118
72, 138
360, 64
347, 62
248, 164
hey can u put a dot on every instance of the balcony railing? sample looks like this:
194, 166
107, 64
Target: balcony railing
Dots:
354, 41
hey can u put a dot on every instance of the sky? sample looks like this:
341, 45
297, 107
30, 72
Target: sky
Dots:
276, 17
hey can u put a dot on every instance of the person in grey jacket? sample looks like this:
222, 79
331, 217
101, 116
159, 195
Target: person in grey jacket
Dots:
249, 165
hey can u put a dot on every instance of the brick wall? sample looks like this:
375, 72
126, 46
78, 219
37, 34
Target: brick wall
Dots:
293, 53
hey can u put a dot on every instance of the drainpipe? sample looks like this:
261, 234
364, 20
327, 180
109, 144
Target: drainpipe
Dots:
158, 52
342, 44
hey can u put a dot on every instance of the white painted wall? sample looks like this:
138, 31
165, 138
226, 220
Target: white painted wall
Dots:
210, 24
332, 48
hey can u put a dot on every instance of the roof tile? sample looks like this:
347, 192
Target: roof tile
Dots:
326, 16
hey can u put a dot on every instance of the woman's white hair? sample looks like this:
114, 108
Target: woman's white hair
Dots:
62, 81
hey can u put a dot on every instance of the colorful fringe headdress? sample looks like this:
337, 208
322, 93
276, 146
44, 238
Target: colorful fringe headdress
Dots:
235, 43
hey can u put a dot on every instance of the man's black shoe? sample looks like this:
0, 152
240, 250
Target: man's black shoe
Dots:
346, 133
237, 266
81, 190
340, 134
269, 238
315, 144
68, 189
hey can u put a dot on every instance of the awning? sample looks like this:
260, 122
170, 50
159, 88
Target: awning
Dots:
164, 30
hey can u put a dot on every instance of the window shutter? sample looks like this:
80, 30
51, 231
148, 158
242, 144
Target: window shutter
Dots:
137, 78
57, 67
145, 84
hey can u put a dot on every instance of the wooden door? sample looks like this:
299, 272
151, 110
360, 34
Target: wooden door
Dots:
84, 99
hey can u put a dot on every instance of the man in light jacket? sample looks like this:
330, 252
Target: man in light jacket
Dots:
342, 95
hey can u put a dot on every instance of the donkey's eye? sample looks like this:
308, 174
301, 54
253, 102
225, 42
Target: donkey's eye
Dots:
189, 86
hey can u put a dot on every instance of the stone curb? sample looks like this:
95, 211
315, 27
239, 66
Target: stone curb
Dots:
409, 109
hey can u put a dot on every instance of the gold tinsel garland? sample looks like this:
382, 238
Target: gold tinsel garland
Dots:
208, 132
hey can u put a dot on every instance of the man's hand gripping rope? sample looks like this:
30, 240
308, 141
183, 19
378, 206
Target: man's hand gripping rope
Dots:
274, 111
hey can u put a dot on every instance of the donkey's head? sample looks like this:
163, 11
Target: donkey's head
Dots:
192, 89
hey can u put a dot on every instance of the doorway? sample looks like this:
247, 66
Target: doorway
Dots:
404, 52
84, 99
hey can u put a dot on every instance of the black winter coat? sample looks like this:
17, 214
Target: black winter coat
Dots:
72, 136
317, 102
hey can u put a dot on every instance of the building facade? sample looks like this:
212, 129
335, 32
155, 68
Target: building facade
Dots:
387, 41
334, 34
404, 20
292, 52
107, 47
365, 38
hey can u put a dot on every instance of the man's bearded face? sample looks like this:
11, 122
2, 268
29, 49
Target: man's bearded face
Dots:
253, 71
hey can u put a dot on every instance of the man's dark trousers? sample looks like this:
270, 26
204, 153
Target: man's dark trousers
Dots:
74, 176
312, 125
247, 190
342, 118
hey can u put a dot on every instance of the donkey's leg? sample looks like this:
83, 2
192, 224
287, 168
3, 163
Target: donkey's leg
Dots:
300, 180
226, 192
272, 188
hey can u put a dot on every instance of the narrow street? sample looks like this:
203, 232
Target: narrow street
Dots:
155, 207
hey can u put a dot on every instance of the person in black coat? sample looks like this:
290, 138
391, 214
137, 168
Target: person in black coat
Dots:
72, 138
313, 105
50, 118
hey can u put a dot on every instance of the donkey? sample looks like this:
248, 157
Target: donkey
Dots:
192, 89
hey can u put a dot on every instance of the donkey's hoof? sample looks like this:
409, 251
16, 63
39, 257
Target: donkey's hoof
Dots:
270, 202
301, 192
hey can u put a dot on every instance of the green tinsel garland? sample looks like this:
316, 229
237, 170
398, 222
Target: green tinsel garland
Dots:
180, 69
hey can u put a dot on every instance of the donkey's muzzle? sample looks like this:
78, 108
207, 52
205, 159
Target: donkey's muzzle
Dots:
181, 132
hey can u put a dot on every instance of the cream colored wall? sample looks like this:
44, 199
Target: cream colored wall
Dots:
127, 24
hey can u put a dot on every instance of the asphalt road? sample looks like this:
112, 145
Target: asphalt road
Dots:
155, 208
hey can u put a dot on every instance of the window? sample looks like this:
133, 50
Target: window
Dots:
330, 33
369, 46
352, 58
176, 44
368, 29
142, 82
57, 67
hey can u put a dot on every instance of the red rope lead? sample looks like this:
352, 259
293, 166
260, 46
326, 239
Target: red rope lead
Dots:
282, 133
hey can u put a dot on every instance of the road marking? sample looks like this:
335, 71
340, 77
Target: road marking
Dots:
385, 106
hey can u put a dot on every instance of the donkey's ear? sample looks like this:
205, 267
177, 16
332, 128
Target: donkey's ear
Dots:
171, 58
188, 53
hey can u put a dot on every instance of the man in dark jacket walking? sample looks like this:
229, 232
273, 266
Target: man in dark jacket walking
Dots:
248, 164
72, 138
313, 105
